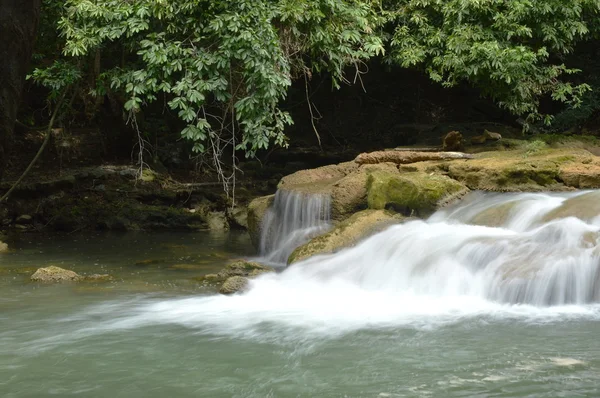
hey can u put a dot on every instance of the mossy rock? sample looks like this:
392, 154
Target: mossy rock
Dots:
348, 233
55, 274
417, 193
256, 211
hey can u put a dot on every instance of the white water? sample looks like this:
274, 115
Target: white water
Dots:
420, 274
290, 222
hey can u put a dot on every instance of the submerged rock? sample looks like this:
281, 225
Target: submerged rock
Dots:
238, 268
346, 234
55, 274
98, 278
414, 193
256, 211
234, 284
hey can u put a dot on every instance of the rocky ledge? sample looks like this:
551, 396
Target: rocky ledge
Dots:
384, 187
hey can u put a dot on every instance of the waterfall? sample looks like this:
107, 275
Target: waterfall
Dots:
290, 222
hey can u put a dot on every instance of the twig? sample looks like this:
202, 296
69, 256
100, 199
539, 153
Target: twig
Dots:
312, 116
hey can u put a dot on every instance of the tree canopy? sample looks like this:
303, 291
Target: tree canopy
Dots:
225, 66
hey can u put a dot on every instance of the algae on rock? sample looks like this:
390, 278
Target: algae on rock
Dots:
412, 193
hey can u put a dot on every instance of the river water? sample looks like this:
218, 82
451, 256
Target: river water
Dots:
496, 297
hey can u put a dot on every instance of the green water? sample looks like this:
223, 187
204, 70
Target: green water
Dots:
156, 332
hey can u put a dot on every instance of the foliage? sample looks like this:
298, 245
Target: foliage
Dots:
221, 65
513, 50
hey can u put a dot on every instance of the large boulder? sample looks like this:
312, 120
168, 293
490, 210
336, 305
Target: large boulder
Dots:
256, 211
413, 193
346, 234
55, 274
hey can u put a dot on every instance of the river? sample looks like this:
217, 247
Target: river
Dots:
496, 297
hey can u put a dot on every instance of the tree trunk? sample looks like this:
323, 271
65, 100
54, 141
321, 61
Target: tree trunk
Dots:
18, 24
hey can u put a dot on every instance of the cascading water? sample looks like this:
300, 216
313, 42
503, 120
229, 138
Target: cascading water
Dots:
527, 256
292, 219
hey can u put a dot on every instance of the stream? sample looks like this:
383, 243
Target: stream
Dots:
495, 297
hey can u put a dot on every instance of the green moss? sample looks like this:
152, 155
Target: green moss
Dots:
410, 193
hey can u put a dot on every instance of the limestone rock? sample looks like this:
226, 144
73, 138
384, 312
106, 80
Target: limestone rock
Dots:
55, 274
256, 211
453, 141
234, 284
406, 157
317, 180
3, 247
346, 234
415, 193
585, 207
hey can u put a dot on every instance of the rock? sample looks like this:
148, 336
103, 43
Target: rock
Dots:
55, 274
414, 193
21, 227
490, 136
256, 211
147, 175
234, 284
3, 247
238, 268
24, 219
453, 141
478, 139
317, 180
406, 157
217, 221
585, 207
238, 217
346, 234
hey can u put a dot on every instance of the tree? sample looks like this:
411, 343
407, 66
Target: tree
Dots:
18, 23
512, 50
223, 66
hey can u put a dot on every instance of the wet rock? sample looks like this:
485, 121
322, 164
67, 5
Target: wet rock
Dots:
418, 194
55, 274
346, 234
234, 284
3, 247
256, 211
317, 180
238, 268
585, 207
453, 141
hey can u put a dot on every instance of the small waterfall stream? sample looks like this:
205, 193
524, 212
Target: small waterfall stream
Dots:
530, 248
290, 222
